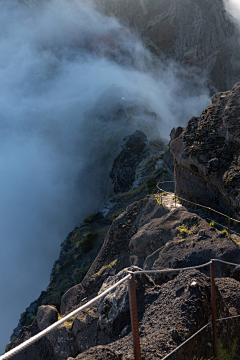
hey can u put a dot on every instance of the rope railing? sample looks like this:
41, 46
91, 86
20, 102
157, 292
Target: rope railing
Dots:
133, 311
44, 332
202, 206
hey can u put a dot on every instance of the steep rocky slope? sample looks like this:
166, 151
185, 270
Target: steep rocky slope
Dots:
134, 231
206, 155
198, 34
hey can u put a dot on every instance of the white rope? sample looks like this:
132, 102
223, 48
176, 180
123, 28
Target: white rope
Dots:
225, 262
230, 317
35, 338
168, 270
186, 341
205, 207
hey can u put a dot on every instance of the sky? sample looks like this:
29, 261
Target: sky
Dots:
57, 58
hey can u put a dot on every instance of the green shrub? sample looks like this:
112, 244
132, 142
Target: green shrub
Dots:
58, 267
224, 354
160, 156
183, 232
68, 263
23, 314
78, 275
30, 321
213, 224
225, 232
77, 256
151, 184
86, 244
90, 219
8, 347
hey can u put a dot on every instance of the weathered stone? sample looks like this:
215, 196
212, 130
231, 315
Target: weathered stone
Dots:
114, 308
46, 316
124, 166
63, 342
206, 155
99, 353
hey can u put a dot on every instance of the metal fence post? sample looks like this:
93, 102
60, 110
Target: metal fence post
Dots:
214, 326
134, 317
175, 200
209, 215
229, 228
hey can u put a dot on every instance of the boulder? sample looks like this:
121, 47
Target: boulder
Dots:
42, 349
86, 330
206, 155
46, 316
172, 313
63, 342
185, 239
61, 338
113, 309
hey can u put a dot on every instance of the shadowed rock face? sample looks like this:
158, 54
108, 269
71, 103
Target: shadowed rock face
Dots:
195, 33
124, 166
207, 155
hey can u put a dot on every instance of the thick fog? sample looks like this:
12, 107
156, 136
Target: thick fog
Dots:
57, 58
233, 7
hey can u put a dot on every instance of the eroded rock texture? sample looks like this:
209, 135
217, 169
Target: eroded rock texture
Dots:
207, 155
195, 33
124, 166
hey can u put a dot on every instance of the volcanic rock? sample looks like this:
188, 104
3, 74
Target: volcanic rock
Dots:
124, 166
198, 34
206, 155
98, 353
46, 316
113, 309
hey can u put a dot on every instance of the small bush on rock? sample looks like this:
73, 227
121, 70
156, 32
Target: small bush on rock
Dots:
23, 314
86, 244
67, 263
151, 184
78, 275
213, 224
90, 219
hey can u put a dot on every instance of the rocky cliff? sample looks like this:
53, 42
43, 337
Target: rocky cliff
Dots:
133, 231
206, 155
197, 34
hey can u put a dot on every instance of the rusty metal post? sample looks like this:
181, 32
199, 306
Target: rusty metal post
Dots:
175, 200
229, 227
209, 215
214, 326
164, 186
134, 317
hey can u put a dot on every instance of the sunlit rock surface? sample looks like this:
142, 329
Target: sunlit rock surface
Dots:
206, 155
